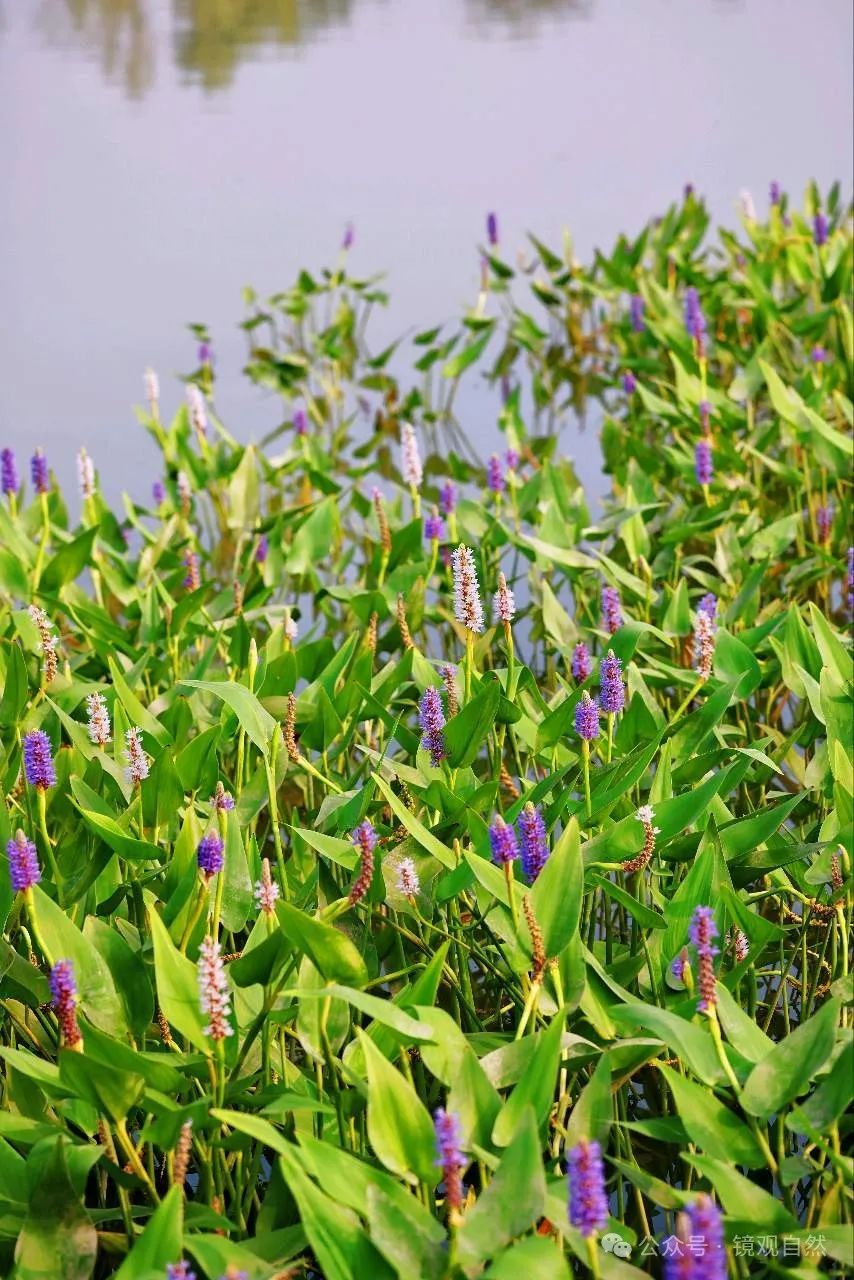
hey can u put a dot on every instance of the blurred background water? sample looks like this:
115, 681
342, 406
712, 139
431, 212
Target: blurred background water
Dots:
158, 155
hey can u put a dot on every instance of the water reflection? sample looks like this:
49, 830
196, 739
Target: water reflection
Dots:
209, 40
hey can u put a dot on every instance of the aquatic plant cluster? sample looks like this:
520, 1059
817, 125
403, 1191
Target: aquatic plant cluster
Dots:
413, 871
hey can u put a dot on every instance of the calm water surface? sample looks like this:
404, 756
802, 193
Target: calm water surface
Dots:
158, 155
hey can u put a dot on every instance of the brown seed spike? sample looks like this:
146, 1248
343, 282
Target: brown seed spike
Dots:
289, 728
371, 633
538, 946
507, 782
405, 634
449, 676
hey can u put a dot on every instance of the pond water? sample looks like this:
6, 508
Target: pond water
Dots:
158, 155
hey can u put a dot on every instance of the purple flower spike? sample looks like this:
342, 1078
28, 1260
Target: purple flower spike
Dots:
612, 613
824, 523
349, 236
432, 718
630, 384
704, 1247
636, 308
24, 870
587, 718
261, 551
695, 321
818, 355
850, 580
492, 229
158, 492
9, 481
533, 841
702, 931
588, 1204
819, 229
582, 663
449, 1157
709, 606
39, 473
612, 691
512, 460
703, 462
179, 1271
774, 193
64, 991
365, 839
448, 498
38, 760
300, 421
679, 964
503, 842
494, 475
705, 411
434, 527
210, 854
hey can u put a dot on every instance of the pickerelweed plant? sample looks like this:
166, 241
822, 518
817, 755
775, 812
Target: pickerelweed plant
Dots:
412, 872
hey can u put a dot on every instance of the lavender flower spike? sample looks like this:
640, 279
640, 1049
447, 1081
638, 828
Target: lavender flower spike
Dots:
612, 613
582, 663
706, 1240
449, 1158
503, 842
703, 462
774, 193
349, 237
213, 991
467, 603
824, 523
222, 800
695, 321
413, 471
636, 309
38, 760
9, 480
494, 474
505, 602
702, 932
588, 1203
197, 410
533, 841
179, 1271
137, 760
209, 855
39, 473
432, 717
492, 229
448, 498
365, 840
85, 475
612, 691
24, 869
434, 527
64, 991
703, 644
709, 605
587, 718
266, 890
819, 229
408, 883
630, 384
99, 727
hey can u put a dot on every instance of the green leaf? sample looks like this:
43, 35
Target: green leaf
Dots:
140, 715
711, 1125
590, 1118
116, 838
15, 684
466, 731
414, 826
99, 1000
742, 1198
383, 1011
237, 893
177, 985
257, 723
330, 950
68, 563
536, 1088
786, 1071
58, 1240
514, 1200
469, 354
534, 1257
160, 1243
243, 492
399, 1126
558, 890
693, 1045
403, 1239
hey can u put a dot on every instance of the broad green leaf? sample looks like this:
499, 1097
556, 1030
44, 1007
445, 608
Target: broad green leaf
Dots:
161, 1242
785, 1072
558, 890
514, 1200
257, 723
177, 985
414, 826
535, 1089
399, 1126
711, 1126
58, 1240
99, 1000
330, 950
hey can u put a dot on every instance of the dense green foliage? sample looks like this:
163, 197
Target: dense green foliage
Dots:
542, 1014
